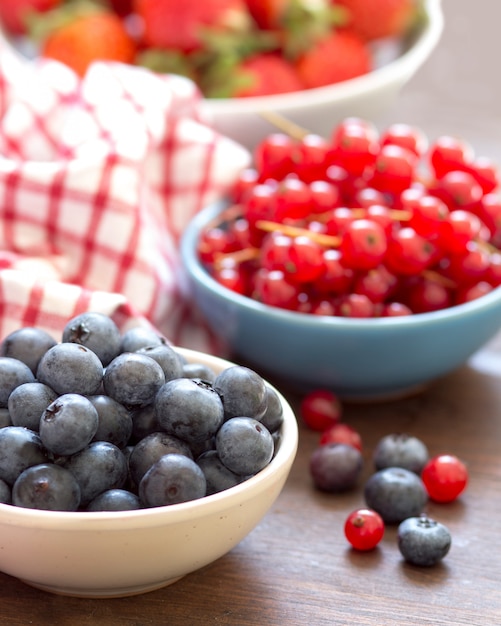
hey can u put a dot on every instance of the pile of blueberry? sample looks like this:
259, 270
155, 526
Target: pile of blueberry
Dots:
406, 477
110, 421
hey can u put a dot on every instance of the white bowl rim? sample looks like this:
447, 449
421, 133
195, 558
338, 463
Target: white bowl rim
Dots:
163, 515
193, 265
398, 69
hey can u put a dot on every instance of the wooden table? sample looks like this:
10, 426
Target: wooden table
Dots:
296, 568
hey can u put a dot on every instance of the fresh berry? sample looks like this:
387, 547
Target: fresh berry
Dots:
423, 541
374, 19
445, 477
400, 450
349, 58
395, 493
341, 433
263, 75
320, 409
336, 467
92, 36
364, 529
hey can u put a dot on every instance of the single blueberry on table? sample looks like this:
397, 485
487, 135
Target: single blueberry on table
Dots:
68, 424
48, 487
244, 445
336, 467
395, 493
423, 541
174, 478
27, 344
96, 331
71, 368
400, 450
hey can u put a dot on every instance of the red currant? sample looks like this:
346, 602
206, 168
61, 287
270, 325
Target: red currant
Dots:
449, 153
341, 433
406, 136
320, 409
445, 477
364, 529
274, 156
363, 245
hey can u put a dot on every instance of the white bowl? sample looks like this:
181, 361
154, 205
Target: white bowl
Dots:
320, 109
110, 554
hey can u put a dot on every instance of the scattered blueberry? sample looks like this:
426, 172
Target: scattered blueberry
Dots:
395, 493
336, 467
423, 541
400, 450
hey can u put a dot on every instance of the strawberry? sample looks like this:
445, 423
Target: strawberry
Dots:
266, 74
339, 56
268, 14
14, 14
374, 19
180, 25
94, 35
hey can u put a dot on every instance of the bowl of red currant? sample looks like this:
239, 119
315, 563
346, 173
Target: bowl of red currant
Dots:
366, 262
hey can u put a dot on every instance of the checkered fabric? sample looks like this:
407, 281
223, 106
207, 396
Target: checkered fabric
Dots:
98, 178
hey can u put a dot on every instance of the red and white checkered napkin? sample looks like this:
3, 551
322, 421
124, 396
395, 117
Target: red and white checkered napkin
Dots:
97, 180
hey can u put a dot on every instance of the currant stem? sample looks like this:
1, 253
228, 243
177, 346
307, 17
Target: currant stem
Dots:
295, 231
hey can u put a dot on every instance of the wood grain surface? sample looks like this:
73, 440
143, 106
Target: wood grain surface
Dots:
296, 568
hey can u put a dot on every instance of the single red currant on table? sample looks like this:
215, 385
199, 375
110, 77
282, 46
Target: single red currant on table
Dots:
364, 529
445, 477
320, 409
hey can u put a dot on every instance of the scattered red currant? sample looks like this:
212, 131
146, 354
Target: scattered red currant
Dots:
320, 409
445, 477
341, 433
364, 529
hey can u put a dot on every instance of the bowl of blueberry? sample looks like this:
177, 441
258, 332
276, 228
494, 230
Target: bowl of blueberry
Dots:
127, 463
366, 262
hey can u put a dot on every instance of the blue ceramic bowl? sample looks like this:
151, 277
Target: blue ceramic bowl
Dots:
356, 358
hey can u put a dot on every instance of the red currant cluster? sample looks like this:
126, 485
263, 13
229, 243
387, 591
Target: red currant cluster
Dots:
361, 224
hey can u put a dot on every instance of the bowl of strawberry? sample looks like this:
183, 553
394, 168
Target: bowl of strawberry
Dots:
314, 62
366, 262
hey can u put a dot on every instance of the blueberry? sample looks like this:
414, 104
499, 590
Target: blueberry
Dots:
244, 445
71, 368
96, 331
336, 467
200, 371
46, 486
144, 422
5, 492
167, 358
114, 421
27, 403
217, 475
27, 344
115, 500
423, 541
395, 493
242, 391
400, 450
274, 414
68, 424
98, 467
20, 448
189, 409
174, 478
150, 449
133, 379
12, 374
140, 337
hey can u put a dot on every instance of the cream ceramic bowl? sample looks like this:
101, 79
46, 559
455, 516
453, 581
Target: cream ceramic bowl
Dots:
105, 554
320, 109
